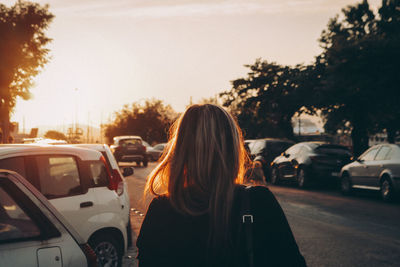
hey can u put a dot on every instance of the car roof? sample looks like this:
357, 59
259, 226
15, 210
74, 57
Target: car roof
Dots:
127, 137
98, 147
8, 150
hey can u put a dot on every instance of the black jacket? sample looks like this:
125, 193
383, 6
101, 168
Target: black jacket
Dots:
168, 238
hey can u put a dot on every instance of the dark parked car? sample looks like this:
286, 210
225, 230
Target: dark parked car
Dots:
378, 169
265, 150
309, 162
129, 149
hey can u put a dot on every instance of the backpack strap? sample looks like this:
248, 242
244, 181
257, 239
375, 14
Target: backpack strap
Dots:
247, 224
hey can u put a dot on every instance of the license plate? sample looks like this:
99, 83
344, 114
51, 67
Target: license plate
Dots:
335, 174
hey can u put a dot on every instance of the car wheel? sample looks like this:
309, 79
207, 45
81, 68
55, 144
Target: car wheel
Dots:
275, 176
145, 163
387, 191
107, 249
345, 184
302, 178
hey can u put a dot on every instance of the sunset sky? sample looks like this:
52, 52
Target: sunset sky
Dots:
109, 53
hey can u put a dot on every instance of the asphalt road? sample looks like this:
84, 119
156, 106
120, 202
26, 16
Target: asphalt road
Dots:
330, 229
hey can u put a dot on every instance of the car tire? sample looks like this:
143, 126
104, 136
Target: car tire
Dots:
302, 178
145, 163
275, 179
345, 185
387, 190
107, 249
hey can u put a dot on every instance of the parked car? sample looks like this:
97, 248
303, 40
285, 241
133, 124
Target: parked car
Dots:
129, 149
156, 151
33, 232
79, 184
378, 168
116, 176
266, 150
310, 162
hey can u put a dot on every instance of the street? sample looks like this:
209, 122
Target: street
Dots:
330, 229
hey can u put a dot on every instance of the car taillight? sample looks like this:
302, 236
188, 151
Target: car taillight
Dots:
144, 148
118, 182
90, 255
115, 180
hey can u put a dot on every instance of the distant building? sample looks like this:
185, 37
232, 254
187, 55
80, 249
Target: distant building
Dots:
381, 138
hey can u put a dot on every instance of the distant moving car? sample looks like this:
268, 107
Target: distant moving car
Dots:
378, 169
33, 232
81, 186
310, 162
129, 149
156, 151
266, 150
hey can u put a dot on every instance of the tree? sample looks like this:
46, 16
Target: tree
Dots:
23, 53
55, 135
265, 101
150, 120
359, 72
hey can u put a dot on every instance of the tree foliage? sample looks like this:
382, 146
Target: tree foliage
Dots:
360, 66
265, 101
23, 53
55, 135
150, 120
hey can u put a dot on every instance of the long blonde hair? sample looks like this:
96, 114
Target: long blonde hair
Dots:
203, 160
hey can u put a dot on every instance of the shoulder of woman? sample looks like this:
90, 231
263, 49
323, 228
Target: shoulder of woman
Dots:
159, 201
261, 192
256, 190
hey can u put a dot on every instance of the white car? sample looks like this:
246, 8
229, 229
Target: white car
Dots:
116, 172
33, 232
78, 182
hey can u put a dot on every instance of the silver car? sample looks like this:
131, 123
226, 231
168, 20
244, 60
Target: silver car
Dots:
33, 232
377, 169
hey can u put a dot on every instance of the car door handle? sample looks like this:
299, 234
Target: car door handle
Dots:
86, 204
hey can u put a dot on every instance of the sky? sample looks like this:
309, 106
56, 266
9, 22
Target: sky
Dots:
106, 54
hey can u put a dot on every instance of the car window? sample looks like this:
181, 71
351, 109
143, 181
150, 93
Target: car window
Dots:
15, 224
130, 142
394, 153
58, 176
369, 155
16, 164
383, 152
98, 174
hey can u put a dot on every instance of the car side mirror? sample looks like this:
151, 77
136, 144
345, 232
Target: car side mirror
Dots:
128, 171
